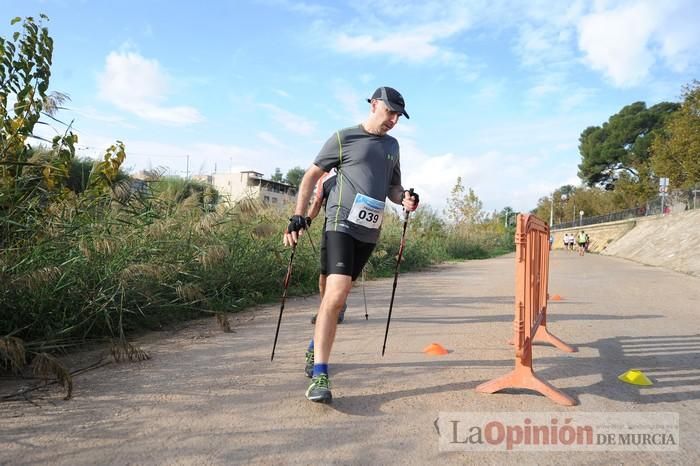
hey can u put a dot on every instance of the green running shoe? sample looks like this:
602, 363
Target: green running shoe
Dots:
309, 368
320, 389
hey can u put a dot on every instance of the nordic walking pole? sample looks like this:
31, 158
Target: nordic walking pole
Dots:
364, 295
310, 240
396, 272
284, 296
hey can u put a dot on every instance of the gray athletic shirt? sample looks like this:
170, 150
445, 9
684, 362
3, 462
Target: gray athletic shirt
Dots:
368, 165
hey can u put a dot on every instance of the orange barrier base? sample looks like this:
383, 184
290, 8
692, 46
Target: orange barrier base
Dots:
542, 335
524, 377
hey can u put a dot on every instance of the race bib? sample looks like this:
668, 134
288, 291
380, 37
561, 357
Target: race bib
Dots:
366, 211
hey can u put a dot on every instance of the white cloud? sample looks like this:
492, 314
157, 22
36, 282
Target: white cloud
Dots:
270, 139
616, 42
203, 157
491, 90
576, 97
352, 102
512, 164
305, 8
549, 83
556, 89
626, 40
411, 32
91, 113
409, 47
545, 35
139, 85
366, 78
292, 122
495, 176
281, 93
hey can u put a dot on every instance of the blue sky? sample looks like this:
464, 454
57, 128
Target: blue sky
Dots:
498, 91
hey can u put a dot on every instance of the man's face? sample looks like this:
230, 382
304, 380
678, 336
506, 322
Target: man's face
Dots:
384, 117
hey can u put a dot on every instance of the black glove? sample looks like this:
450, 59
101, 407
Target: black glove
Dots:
298, 223
413, 194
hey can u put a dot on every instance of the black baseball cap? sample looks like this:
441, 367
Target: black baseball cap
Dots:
392, 98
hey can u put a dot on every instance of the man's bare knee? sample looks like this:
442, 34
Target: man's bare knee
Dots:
336, 292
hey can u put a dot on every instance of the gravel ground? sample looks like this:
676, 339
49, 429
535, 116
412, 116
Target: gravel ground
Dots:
208, 397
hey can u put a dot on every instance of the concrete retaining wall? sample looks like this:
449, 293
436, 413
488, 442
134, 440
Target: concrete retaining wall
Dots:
600, 235
670, 241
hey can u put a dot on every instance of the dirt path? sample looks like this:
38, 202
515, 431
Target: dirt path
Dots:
208, 397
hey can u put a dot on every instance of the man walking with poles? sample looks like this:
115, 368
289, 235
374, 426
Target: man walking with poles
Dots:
366, 159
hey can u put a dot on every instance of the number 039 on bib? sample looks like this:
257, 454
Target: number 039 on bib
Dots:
366, 211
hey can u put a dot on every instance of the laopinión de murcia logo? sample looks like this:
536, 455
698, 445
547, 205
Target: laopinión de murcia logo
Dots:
652, 431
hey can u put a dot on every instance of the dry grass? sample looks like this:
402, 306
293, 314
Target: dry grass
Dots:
190, 293
208, 222
105, 246
160, 229
265, 230
224, 324
125, 351
249, 207
39, 279
12, 353
48, 367
136, 272
213, 256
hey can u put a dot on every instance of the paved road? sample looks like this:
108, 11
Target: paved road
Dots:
212, 398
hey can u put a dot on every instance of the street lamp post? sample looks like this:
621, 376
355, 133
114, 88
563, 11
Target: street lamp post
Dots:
564, 198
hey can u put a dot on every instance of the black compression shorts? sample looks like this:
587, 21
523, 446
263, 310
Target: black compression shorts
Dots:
343, 255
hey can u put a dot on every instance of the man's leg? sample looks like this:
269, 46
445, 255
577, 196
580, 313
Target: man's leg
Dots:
336, 292
322, 284
321, 289
346, 258
309, 365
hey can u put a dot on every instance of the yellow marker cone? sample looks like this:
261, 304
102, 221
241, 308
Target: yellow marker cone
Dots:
635, 377
435, 349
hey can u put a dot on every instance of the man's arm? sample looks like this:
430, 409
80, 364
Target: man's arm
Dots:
306, 188
317, 202
396, 194
395, 189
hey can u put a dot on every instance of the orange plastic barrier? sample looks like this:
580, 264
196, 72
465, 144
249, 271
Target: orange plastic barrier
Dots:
530, 325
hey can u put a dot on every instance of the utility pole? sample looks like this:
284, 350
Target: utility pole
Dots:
187, 176
663, 189
551, 212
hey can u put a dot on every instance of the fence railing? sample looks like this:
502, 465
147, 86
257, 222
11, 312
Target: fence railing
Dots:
653, 207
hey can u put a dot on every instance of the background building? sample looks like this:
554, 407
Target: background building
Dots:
250, 184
